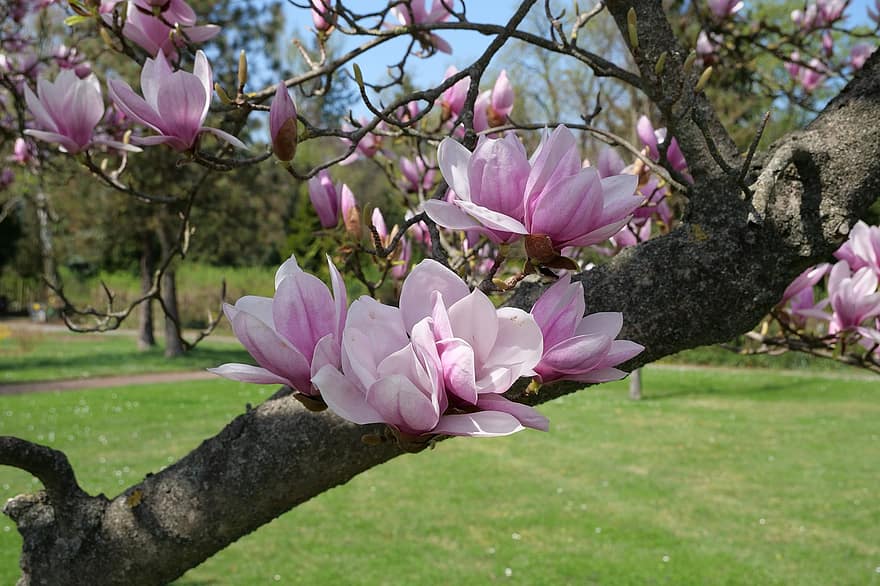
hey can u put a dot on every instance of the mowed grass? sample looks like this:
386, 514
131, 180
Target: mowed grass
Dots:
717, 477
35, 355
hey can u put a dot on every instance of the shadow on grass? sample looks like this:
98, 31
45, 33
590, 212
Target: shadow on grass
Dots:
763, 391
104, 361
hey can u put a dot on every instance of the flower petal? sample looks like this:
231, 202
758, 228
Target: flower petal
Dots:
249, 374
344, 398
481, 424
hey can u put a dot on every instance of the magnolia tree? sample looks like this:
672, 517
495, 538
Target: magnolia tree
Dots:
489, 293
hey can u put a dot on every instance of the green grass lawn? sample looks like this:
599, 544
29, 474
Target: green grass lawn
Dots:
53, 355
716, 478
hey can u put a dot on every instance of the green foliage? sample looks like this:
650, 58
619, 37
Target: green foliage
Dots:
716, 478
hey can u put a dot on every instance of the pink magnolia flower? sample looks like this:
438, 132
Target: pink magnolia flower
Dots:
862, 248
367, 147
502, 194
854, 296
578, 347
282, 124
874, 12
154, 34
707, 47
293, 335
175, 103
402, 255
452, 100
325, 198
494, 106
351, 215
415, 12
171, 11
417, 175
21, 152
631, 234
722, 9
652, 139
435, 365
66, 112
323, 16
419, 231
812, 76
806, 280
860, 54
655, 206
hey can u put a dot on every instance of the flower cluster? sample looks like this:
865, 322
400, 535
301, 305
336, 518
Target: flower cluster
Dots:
436, 365
851, 310
174, 106
160, 25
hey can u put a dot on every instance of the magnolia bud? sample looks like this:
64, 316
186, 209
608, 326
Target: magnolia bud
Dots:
282, 124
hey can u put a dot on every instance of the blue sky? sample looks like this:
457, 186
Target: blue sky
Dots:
466, 45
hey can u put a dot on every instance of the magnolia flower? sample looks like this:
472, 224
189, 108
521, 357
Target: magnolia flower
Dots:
862, 248
175, 103
502, 194
576, 347
325, 199
806, 280
293, 335
707, 47
282, 124
415, 12
323, 16
21, 152
854, 297
813, 75
435, 365
860, 54
402, 255
66, 112
153, 33
367, 146
653, 139
494, 106
417, 176
452, 99
351, 215
722, 9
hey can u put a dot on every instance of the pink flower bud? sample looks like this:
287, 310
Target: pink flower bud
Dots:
325, 199
282, 124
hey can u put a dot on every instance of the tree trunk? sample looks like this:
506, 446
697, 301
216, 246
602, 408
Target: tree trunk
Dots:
635, 385
146, 337
173, 343
47, 248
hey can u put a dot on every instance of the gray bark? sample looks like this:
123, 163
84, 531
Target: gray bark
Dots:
173, 343
711, 279
146, 336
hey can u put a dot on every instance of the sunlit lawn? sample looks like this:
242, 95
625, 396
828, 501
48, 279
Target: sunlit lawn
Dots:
716, 478
51, 355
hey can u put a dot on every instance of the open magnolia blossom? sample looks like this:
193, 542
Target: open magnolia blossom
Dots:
503, 194
578, 347
175, 103
436, 365
292, 335
66, 112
